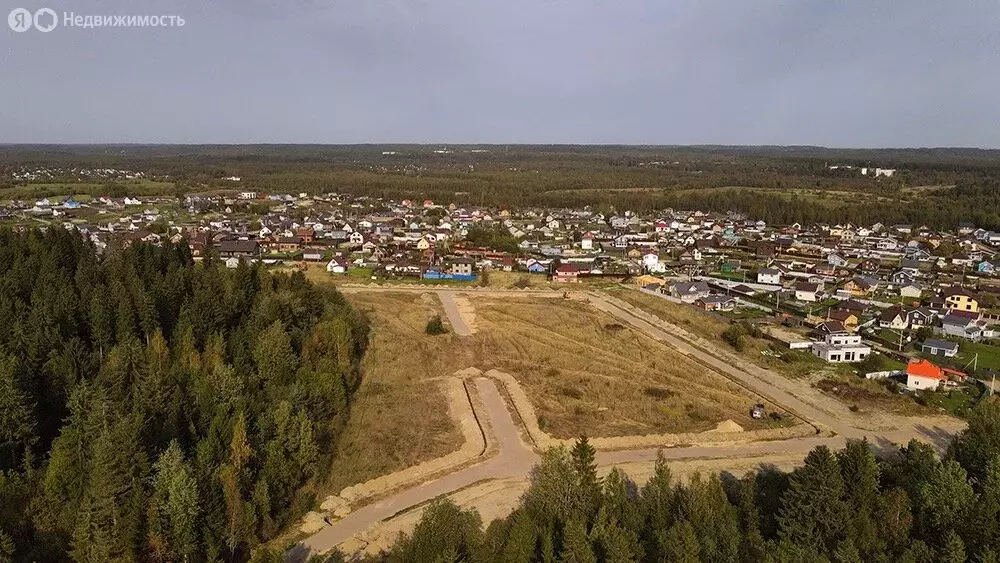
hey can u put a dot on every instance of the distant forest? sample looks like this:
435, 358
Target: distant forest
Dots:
842, 507
936, 187
152, 409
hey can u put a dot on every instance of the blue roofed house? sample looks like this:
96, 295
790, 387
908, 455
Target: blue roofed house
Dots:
986, 267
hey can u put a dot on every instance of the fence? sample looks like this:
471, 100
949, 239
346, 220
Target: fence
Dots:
432, 275
883, 374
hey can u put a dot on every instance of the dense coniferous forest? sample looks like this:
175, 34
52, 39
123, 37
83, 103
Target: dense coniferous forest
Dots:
844, 507
154, 409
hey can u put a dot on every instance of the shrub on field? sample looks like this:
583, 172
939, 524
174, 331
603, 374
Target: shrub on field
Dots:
435, 326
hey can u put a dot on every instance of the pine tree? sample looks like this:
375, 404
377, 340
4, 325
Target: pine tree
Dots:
576, 545
680, 543
945, 503
17, 422
860, 472
953, 550
658, 502
704, 504
979, 443
847, 553
174, 508
752, 546
588, 488
985, 535
813, 511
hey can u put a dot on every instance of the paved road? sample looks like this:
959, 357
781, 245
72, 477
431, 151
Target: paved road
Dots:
454, 317
513, 460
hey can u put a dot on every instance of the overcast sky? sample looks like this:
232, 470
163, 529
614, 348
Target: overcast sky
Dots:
857, 73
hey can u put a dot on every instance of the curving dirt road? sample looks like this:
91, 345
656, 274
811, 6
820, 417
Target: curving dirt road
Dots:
513, 459
834, 423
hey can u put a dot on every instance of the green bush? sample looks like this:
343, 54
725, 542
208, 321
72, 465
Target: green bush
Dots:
435, 326
736, 336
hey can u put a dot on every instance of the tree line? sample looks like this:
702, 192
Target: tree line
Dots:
154, 409
842, 506
641, 179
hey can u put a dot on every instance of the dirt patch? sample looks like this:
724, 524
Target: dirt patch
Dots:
728, 426
467, 311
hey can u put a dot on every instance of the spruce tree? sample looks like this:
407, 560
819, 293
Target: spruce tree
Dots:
813, 511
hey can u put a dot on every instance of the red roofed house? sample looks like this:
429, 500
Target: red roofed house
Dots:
924, 375
567, 273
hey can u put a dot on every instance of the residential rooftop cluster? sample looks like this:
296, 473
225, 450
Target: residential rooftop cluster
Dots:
849, 287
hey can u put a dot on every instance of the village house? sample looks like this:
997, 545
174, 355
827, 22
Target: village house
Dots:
939, 348
567, 273
771, 276
849, 319
689, 292
923, 375
808, 292
894, 318
716, 303
959, 299
840, 347
239, 249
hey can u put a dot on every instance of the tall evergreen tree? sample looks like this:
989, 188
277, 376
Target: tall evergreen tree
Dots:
813, 511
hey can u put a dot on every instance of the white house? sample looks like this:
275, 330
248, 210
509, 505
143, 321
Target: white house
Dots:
338, 265
922, 375
839, 347
807, 291
651, 260
587, 242
770, 276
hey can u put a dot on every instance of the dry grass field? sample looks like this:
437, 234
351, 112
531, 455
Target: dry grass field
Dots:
711, 327
586, 374
400, 416
583, 372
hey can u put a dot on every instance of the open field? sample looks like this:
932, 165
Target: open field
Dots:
83, 190
400, 415
758, 350
587, 374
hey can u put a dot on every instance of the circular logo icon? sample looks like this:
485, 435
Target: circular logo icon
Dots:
45, 20
20, 20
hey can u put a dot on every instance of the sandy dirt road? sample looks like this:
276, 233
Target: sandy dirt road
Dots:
458, 323
514, 459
